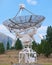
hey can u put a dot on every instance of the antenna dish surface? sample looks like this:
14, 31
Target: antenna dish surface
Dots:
24, 22
21, 22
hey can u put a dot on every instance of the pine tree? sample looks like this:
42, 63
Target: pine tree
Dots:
2, 49
8, 45
46, 50
18, 45
39, 49
49, 36
34, 45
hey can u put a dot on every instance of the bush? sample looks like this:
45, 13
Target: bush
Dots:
18, 45
2, 49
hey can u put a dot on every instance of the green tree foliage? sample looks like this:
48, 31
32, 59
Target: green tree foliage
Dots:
12, 48
46, 50
39, 49
43, 42
2, 49
34, 45
8, 45
18, 45
45, 47
49, 36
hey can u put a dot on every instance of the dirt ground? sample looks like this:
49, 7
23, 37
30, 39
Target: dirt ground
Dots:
13, 56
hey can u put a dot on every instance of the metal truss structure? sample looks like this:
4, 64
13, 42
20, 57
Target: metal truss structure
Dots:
27, 24
24, 22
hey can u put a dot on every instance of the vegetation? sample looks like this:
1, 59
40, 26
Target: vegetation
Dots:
47, 43
2, 49
12, 48
10, 64
47, 64
49, 36
45, 47
39, 49
42, 48
34, 45
46, 50
18, 45
8, 45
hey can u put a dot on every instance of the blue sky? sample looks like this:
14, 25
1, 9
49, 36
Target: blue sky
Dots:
9, 8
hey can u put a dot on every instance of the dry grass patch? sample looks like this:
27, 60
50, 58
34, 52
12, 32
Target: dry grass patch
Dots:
12, 56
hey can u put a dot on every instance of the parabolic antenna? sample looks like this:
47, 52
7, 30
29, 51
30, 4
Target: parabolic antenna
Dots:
24, 22
24, 26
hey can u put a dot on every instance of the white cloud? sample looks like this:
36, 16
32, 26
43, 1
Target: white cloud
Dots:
43, 28
28, 1
32, 2
41, 32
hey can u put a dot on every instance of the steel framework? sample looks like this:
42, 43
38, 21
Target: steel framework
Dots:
24, 22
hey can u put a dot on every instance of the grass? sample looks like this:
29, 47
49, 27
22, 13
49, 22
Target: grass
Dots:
6, 58
4, 64
10, 64
47, 64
